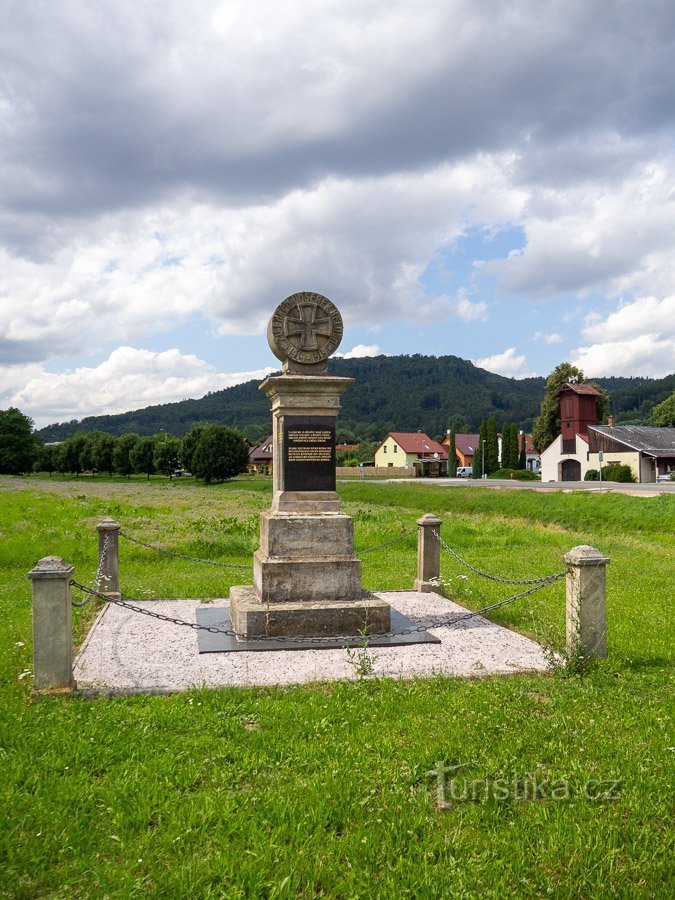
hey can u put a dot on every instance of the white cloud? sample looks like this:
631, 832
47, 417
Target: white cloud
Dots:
609, 236
553, 338
141, 272
162, 162
128, 379
362, 350
637, 339
468, 311
506, 363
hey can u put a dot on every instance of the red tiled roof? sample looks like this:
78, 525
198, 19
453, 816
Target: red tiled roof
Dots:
416, 442
467, 443
580, 389
261, 453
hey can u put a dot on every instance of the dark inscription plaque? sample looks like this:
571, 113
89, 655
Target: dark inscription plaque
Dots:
309, 453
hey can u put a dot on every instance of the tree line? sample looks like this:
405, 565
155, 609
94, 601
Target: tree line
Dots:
214, 452
391, 393
210, 452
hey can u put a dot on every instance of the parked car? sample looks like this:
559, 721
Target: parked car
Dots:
464, 471
667, 476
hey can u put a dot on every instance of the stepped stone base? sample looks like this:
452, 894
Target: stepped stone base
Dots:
251, 618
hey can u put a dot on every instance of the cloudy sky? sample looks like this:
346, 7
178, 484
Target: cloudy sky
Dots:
493, 180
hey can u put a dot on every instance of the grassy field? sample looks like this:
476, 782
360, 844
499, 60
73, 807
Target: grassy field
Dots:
565, 785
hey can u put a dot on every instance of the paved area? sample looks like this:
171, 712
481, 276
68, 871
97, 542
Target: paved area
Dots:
129, 652
646, 489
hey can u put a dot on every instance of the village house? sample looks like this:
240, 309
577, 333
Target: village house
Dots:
649, 451
465, 447
566, 458
413, 451
466, 444
260, 458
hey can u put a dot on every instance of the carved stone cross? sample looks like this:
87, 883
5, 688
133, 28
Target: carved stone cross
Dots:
303, 332
308, 323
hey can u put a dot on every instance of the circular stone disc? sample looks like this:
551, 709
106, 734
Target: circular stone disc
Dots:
305, 328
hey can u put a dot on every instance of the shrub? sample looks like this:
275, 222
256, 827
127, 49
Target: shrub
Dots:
516, 474
621, 473
592, 475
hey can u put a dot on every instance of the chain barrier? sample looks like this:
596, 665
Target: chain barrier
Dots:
94, 590
208, 562
212, 629
496, 578
386, 543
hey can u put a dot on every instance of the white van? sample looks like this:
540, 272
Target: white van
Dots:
464, 471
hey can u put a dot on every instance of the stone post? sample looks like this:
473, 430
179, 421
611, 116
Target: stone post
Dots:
110, 569
586, 600
52, 624
428, 554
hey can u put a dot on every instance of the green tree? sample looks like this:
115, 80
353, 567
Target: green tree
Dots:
167, 449
142, 457
506, 445
254, 433
522, 456
122, 454
365, 452
663, 414
103, 451
514, 455
72, 452
220, 454
87, 453
18, 446
478, 461
491, 447
47, 458
547, 425
452, 454
189, 444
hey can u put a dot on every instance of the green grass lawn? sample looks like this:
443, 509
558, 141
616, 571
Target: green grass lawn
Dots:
325, 790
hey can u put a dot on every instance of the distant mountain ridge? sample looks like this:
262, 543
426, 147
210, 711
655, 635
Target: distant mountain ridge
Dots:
391, 393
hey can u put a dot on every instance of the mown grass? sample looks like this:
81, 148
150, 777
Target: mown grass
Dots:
323, 790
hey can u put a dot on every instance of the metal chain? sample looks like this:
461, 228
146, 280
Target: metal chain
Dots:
208, 562
496, 578
212, 629
99, 574
386, 543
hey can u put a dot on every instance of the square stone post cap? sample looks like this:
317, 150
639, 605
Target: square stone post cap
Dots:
51, 567
108, 524
429, 519
584, 555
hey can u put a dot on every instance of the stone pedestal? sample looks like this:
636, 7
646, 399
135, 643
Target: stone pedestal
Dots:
52, 624
586, 622
306, 578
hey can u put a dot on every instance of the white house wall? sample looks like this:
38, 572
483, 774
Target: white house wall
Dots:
553, 457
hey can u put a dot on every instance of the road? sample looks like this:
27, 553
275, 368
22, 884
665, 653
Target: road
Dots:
647, 489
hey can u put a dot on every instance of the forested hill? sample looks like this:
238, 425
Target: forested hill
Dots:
391, 393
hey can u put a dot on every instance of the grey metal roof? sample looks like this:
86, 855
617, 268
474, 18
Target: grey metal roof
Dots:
647, 438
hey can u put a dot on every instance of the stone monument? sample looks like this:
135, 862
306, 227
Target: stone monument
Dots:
306, 578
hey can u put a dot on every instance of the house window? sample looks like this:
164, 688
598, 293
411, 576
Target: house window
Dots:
384, 449
390, 465
395, 448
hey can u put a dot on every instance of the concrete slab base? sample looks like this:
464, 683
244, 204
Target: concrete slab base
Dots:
402, 632
127, 652
306, 619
